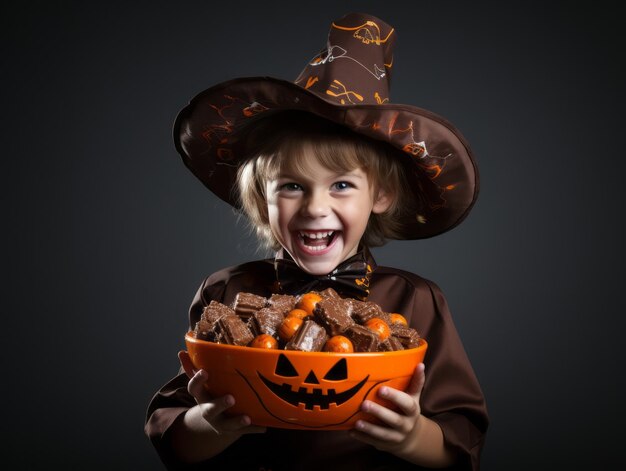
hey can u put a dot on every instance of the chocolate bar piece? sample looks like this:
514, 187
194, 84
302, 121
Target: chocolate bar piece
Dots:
390, 344
333, 315
363, 339
408, 336
310, 337
207, 327
234, 331
283, 303
246, 304
205, 331
363, 311
329, 293
266, 321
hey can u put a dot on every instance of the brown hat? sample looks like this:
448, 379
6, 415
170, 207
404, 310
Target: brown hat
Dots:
348, 84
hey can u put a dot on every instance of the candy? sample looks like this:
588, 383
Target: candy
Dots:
207, 327
299, 313
282, 302
234, 331
379, 327
396, 318
362, 311
314, 321
363, 339
288, 327
264, 341
308, 302
265, 321
391, 344
339, 344
310, 337
407, 336
246, 304
333, 315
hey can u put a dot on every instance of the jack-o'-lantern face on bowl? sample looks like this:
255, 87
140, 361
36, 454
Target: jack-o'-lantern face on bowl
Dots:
303, 390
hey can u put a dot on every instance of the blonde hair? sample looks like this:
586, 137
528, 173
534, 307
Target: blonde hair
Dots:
280, 143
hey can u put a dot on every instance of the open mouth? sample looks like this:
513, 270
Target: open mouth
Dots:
318, 240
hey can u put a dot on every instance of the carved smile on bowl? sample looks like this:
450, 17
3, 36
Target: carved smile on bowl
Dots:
317, 397
307, 392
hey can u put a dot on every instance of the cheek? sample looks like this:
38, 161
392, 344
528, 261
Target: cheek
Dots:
280, 213
357, 214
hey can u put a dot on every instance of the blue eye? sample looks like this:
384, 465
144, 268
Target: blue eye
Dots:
342, 185
290, 187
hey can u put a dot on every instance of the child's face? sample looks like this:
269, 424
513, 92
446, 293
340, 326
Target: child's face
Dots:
319, 216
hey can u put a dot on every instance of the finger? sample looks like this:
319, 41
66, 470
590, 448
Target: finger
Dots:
196, 388
408, 404
185, 362
240, 424
375, 434
417, 381
212, 410
389, 417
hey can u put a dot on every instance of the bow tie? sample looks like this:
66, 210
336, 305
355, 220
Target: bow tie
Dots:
351, 278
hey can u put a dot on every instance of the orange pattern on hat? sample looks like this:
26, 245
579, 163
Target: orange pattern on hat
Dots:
365, 34
310, 81
380, 100
253, 109
218, 133
343, 92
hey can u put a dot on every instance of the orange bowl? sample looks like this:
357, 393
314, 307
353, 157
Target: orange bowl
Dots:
301, 390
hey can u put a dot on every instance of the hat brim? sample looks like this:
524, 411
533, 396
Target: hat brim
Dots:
443, 171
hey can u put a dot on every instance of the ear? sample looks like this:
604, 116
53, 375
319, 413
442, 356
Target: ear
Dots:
383, 201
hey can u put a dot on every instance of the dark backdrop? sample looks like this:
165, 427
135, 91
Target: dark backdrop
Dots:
108, 235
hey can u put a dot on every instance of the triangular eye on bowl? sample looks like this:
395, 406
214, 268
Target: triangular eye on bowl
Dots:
284, 367
338, 372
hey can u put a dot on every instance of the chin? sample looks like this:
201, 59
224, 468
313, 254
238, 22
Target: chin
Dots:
318, 268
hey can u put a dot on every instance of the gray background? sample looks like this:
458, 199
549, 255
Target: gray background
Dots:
108, 236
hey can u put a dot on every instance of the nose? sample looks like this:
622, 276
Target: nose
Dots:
316, 204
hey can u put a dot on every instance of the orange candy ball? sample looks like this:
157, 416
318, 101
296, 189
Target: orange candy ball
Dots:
299, 313
398, 319
339, 344
264, 341
288, 327
379, 326
308, 302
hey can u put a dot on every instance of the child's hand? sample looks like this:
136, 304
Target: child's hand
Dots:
204, 430
212, 410
398, 430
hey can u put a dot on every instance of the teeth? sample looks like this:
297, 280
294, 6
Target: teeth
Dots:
317, 248
316, 235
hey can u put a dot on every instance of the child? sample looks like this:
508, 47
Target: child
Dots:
324, 168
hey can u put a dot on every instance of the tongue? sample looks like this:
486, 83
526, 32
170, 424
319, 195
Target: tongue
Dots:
316, 242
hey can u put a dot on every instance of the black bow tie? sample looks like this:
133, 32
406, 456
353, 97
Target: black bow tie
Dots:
351, 278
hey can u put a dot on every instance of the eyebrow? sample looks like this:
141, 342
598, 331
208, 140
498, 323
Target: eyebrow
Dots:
336, 175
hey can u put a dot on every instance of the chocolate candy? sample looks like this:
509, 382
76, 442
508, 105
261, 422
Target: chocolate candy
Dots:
310, 337
246, 304
390, 344
333, 315
329, 315
207, 327
363, 339
234, 331
282, 303
406, 335
330, 293
266, 321
363, 311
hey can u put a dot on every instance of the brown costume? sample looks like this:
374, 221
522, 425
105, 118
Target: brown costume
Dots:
347, 84
451, 396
